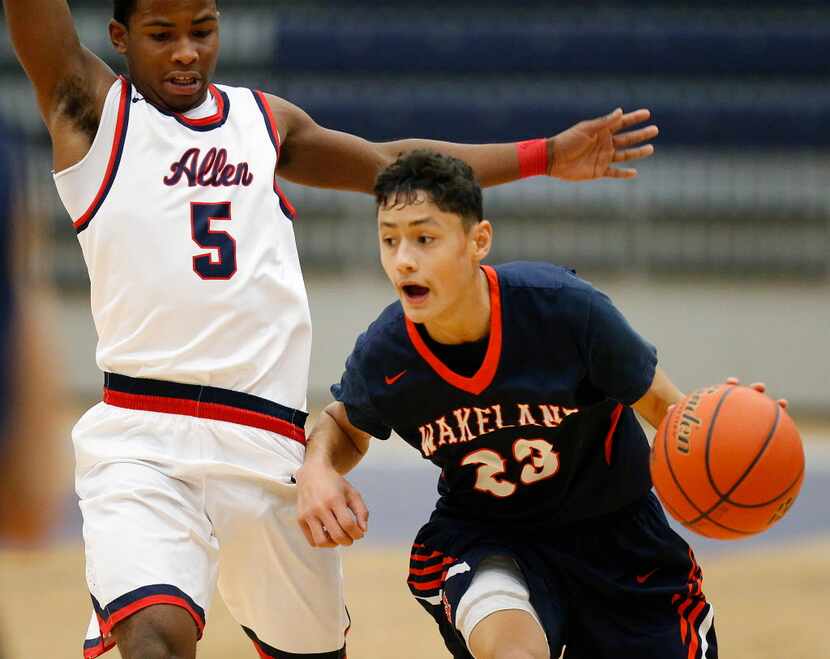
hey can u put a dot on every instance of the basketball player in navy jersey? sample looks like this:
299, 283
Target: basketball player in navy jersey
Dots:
202, 318
520, 382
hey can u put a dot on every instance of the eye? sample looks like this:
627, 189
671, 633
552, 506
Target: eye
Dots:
425, 240
202, 34
389, 242
160, 36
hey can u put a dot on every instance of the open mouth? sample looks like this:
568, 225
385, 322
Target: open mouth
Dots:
183, 84
415, 293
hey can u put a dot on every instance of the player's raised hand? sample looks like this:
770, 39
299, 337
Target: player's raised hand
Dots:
330, 511
590, 149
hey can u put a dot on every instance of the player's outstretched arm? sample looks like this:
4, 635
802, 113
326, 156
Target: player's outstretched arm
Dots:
319, 157
60, 68
330, 511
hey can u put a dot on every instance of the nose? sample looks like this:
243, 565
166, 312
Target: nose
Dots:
405, 261
185, 52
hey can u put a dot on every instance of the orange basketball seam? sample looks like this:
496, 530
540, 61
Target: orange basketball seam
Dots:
755, 460
724, 496
681, 490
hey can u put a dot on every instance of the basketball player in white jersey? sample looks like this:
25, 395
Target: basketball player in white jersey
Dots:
184, 471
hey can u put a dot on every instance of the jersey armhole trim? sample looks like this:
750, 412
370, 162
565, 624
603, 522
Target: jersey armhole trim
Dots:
271, 126
115, 158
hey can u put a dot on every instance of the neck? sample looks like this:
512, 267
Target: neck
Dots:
469, 320
156, 100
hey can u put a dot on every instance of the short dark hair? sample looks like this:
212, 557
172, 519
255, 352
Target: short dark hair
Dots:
122, 10
449, 182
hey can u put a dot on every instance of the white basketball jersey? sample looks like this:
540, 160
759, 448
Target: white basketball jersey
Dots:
190, 247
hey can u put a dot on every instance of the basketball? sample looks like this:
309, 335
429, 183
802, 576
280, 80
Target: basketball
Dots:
727, 462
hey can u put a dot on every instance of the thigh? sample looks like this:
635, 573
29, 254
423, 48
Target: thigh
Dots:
636, 590
287, 596
446, 578
147, 538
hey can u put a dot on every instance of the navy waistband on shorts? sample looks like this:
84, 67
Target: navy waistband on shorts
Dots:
204, 403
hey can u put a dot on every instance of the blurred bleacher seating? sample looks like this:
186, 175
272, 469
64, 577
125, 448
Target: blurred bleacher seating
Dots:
739, 185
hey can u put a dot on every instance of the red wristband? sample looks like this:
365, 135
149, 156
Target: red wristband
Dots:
533, 158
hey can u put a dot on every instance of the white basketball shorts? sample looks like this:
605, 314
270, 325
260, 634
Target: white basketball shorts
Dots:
182, 487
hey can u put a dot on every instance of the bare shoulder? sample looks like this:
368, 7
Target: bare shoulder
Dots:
289, 118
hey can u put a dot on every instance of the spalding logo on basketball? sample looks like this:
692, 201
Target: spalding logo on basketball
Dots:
727, 462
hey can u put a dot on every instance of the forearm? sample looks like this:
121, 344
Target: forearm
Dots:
321, 157
493, 164
42, 32
662, 394
59, 67
332, 445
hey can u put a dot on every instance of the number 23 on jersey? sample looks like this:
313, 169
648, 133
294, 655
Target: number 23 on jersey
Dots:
537, 456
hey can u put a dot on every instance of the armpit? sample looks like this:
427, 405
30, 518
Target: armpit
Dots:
75, 102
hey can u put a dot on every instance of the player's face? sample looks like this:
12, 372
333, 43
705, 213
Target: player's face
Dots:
431, 260
171, 48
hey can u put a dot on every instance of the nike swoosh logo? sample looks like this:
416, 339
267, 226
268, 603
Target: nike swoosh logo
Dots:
394, 378
641, 579
136, 99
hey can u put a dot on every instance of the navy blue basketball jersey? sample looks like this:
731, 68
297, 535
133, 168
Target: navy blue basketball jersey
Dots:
541, 433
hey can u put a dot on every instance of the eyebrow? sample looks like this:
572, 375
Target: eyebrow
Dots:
160, 22
413, 223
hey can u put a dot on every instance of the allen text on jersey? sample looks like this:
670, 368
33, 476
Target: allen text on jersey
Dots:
211, 171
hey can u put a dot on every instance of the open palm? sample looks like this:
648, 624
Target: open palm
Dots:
589, 149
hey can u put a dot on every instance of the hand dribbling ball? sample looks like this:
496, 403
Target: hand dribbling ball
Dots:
727, 461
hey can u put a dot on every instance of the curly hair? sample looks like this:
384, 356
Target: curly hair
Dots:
449, 182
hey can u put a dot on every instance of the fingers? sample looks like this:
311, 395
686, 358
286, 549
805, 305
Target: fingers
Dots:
633, 154
760, 387
609, 121
635, 117
622, 140
339, 524
319, 534
306, 532
358, 507
614, 172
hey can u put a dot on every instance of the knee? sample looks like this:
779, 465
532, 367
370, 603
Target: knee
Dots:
150, 647
159, 632
515, 652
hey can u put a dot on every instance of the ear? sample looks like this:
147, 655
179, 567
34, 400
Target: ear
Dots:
482, 236
119, 36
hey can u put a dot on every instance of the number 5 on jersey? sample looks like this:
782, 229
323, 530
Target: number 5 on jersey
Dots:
220, 262
538, 457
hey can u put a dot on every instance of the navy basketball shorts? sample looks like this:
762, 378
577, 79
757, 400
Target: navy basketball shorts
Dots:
621, 586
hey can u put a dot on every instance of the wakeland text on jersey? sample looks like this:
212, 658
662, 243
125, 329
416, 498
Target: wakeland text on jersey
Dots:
469, 423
